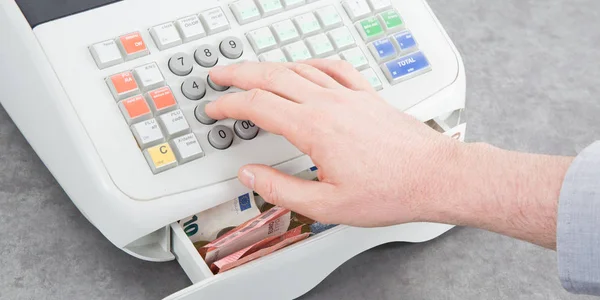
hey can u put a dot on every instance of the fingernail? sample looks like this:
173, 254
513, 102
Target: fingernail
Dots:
247, 178
208, 105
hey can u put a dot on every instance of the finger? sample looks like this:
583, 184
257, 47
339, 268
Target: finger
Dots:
265, 109
315, 75
272, 77
305, 197
343, 72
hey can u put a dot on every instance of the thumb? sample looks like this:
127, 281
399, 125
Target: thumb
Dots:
302, 196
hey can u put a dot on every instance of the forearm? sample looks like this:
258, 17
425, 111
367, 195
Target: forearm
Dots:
511, 193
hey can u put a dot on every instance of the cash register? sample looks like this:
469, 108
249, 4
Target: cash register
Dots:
111, 94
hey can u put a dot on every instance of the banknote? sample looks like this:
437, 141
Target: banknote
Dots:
271, 223
206, 226
260, 249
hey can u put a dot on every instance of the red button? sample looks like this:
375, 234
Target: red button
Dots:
133, 43
136, 106
123, 85
162, 99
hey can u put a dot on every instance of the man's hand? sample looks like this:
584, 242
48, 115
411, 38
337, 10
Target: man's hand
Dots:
379, 166
376, 164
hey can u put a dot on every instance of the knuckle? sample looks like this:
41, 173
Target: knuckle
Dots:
233, 69
243, 65
271, 193
303, 69
255, 95
272, 75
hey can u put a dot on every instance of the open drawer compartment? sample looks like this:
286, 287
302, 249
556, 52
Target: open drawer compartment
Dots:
292, 271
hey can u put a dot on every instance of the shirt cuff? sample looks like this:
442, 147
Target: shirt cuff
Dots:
578, 224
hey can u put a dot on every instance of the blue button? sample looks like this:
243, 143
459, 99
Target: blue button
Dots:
406, 65
405, 40
383, 49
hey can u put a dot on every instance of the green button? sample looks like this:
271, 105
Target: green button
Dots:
391, 19
371, 27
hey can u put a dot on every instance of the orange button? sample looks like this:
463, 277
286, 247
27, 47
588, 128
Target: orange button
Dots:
133, 43
162, 99
123, 83
136, 107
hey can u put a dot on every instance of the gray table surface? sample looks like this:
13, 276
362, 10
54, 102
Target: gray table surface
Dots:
533, 85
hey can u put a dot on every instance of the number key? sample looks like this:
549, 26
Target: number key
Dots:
201, 115
216, 87
220, 137
232, 47
207, 56
181, 64
245, 129
193, 88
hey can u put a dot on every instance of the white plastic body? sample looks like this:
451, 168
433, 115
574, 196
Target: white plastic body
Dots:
55, 94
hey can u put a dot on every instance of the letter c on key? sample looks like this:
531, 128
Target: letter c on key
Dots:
163, 150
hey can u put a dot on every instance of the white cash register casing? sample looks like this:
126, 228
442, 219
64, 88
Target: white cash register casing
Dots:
57, 96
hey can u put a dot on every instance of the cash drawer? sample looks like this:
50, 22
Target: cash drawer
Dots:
305, 264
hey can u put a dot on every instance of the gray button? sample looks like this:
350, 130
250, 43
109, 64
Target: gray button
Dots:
181, 64
216, 87
193, 88
220, 137
207, 56
201, 115
245, 129
232, 47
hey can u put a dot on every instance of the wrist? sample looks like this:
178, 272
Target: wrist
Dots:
508, 192
442, 180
